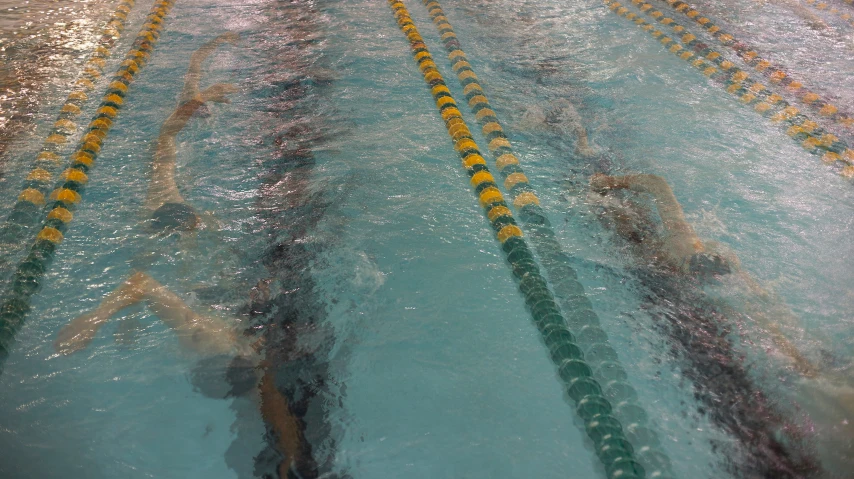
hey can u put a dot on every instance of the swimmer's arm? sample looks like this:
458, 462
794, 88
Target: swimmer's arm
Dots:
162, 187
194, 72
179, 118
681, 240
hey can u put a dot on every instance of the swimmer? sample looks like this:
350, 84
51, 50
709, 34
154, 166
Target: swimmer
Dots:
168, 212
230, 363
203, 335
679, 252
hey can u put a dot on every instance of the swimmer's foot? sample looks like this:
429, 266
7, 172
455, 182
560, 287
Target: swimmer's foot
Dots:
260, 293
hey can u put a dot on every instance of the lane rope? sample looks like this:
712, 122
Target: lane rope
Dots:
712, 64
67, 194
600, 355
35, 189
774, 72
824, 7
605, 431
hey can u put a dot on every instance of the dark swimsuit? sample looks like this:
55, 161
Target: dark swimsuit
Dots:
174, 217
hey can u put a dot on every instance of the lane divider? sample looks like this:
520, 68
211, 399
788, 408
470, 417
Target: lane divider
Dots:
824, 7
712, 64
774, 72
600, 355
607, 433
67, 194
33, 195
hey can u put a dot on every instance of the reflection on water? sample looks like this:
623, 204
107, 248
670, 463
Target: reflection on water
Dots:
42, 46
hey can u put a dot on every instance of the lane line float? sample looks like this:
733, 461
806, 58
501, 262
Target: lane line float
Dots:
67, 194
569, 292
32, 198
607, 433
824, 7
774, 72
799, 127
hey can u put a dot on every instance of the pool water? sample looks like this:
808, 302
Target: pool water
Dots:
404, 346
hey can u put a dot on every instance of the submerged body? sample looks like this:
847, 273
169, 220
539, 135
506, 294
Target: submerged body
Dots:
672, 265
230, 363
169, 213
676, 265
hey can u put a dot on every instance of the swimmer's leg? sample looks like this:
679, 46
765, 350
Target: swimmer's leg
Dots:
814, 21
201, 334
162, 188
194, 72
79, 332
207, 335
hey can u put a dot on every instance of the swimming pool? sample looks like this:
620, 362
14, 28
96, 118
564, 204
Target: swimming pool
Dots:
350, 238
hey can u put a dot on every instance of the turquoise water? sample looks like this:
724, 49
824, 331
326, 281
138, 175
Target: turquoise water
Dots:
432, 366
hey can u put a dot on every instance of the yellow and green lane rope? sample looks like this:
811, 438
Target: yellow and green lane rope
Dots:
712, 64
67, 193
775, 73
32, 197
608, 435
568, 291
824, 7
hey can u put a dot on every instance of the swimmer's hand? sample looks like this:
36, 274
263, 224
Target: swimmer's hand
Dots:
217, 93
